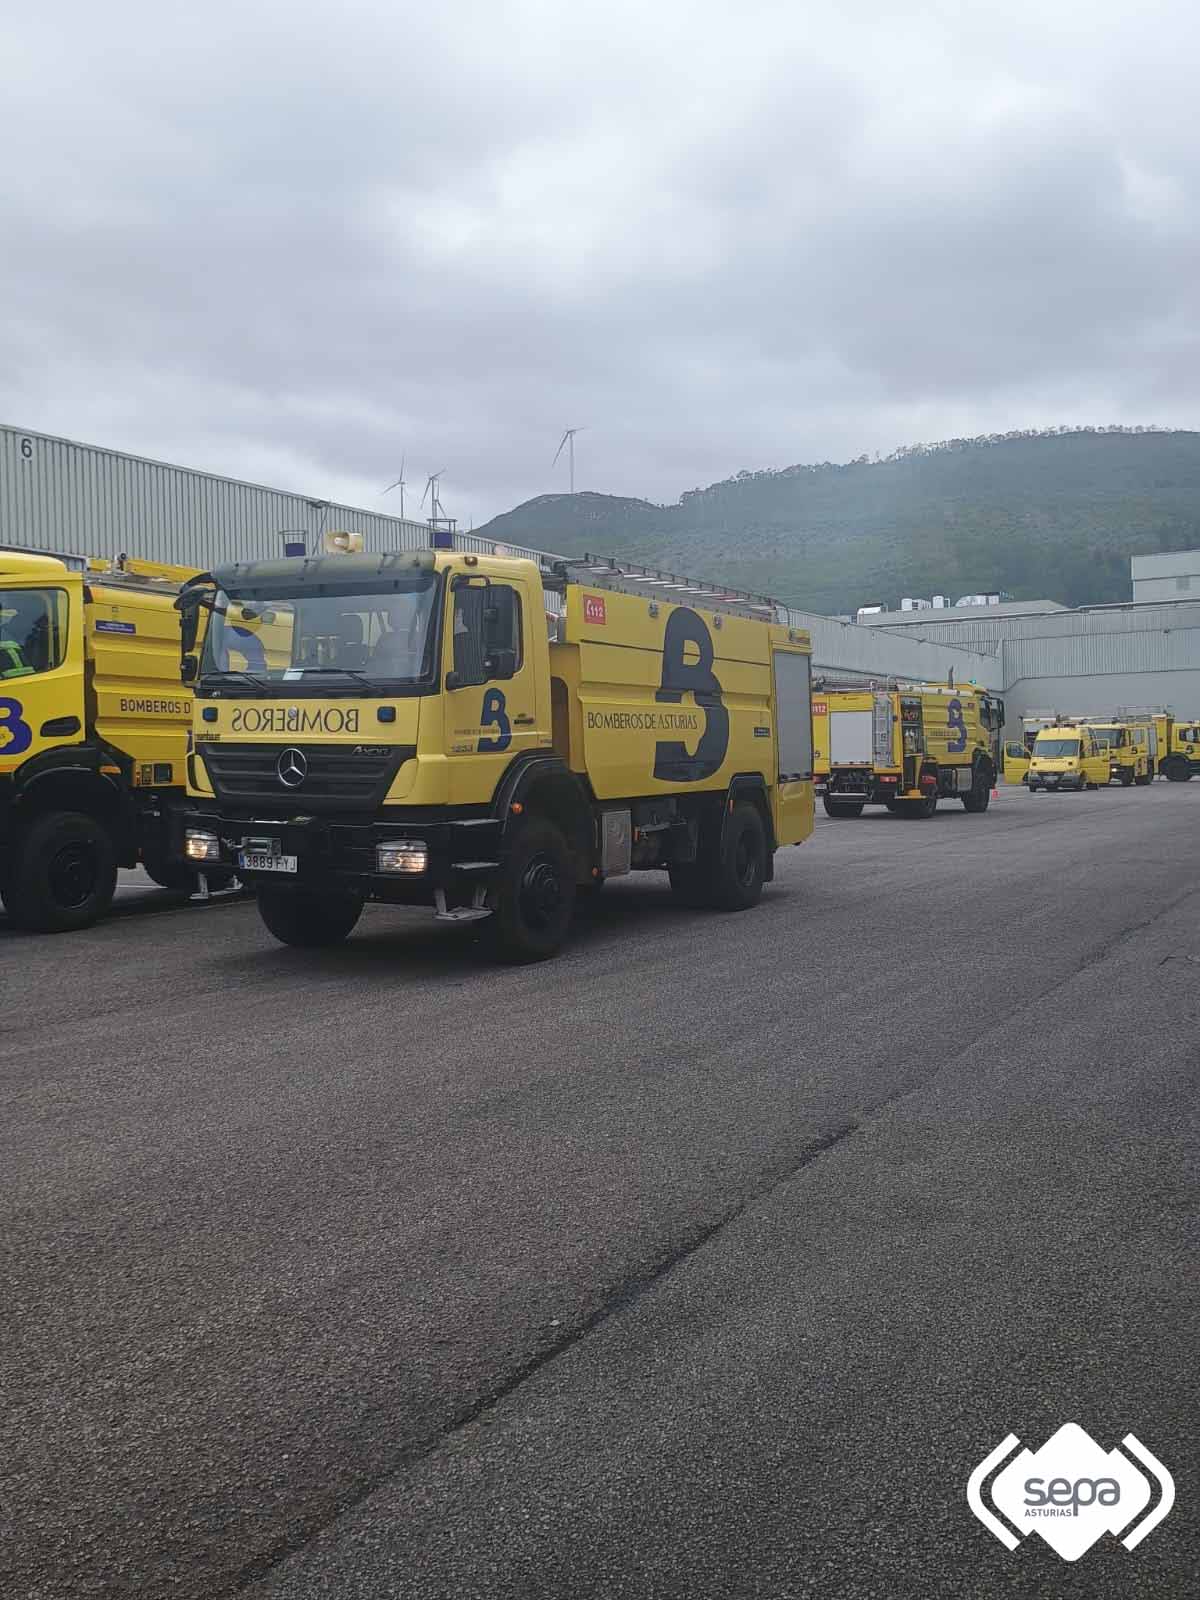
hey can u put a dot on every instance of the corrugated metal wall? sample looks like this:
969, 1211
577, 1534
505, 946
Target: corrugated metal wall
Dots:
57, 495
1093, 661
77, 498
877, 652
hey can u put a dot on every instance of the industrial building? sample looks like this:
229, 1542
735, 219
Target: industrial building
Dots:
78, 498
61, 496
1087, 659
1167, 577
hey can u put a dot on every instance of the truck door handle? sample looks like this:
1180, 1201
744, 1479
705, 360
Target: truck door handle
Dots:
521, 721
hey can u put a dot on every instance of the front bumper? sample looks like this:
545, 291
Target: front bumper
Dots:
1056, 780
338, 854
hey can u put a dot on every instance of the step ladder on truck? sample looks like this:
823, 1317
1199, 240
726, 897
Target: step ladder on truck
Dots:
491, 736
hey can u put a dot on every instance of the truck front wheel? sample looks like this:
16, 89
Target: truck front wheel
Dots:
309, 921
63, 874
534, 897
1175, 770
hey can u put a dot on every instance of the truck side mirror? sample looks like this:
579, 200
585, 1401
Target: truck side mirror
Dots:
189, 622
189, 669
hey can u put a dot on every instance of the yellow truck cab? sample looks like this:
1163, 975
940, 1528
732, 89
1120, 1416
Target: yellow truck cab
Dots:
93, 734
1178, 747
1068, 757
488, 736
1131, 747
904, 746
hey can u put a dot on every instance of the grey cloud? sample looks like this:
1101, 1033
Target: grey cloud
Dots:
282, 241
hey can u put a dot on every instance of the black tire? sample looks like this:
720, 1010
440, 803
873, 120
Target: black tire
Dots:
918, 810
1126, 776
306, 920
979, 796
841, 809
534, 897
1176, 771
63, 873
1143, 779
740, 869
727, 875
896, 807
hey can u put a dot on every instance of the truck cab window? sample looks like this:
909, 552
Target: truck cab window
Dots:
487, 631
32, 631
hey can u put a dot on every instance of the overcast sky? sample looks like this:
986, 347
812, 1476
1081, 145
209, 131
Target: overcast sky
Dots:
294, 242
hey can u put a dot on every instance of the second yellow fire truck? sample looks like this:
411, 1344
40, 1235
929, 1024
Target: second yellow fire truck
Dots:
904, 746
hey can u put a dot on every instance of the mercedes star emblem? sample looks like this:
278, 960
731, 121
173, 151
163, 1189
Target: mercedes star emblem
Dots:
292, 768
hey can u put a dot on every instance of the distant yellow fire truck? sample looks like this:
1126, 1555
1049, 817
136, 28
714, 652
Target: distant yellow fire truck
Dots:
904, 746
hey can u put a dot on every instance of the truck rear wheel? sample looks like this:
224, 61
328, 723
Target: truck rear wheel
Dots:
535, 895
729, 873
843, 808
978, 797
741, 866
63, 874
308, 921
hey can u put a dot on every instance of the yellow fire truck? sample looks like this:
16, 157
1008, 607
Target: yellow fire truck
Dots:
1179, 749
904, 746
401, 728
93, 734
1177, 740
1131, 745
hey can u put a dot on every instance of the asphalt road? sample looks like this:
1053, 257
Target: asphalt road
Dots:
705, 1261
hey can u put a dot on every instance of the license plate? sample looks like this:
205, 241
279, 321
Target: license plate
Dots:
260, 861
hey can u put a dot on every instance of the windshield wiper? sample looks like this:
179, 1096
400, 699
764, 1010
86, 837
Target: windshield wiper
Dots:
346, 672
246, 677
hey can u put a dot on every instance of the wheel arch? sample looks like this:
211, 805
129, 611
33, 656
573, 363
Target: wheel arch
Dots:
751, 787
543, 785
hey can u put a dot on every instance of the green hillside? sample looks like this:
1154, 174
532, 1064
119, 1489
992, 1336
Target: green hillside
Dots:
1042, 515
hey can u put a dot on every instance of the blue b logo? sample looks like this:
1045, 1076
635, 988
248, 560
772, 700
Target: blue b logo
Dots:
495, 715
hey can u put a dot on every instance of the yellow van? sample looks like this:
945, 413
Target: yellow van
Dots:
1068, 757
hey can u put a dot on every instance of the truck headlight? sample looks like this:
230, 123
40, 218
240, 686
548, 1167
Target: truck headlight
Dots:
201, 846
402, 855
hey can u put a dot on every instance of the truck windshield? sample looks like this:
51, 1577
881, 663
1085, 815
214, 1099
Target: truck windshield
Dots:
345, 642
33, 631
1109, 737
1054, 748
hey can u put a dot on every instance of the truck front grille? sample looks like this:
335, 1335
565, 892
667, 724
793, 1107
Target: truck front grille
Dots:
331, 777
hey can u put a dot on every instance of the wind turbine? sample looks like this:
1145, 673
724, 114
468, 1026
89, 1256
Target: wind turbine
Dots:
399, 484
435, 504
568, 439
